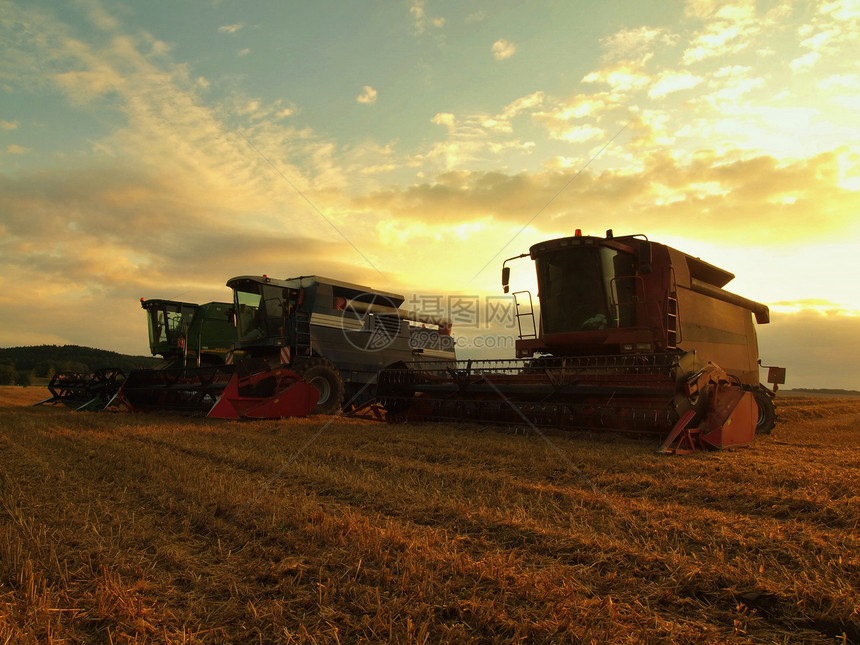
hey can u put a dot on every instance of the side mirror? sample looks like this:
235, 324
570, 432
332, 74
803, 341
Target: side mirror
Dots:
506, 278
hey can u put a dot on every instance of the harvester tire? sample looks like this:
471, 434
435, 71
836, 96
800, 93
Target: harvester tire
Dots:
325, 377
766, 412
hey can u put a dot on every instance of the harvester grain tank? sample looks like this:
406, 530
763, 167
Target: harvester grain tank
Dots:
630, 335
337, 335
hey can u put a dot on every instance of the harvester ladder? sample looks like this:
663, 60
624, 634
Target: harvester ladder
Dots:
672, 326
525, 314
303, 334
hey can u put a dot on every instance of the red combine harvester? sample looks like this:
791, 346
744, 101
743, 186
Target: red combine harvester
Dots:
633, 336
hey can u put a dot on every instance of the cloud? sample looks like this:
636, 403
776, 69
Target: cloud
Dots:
811, 346
497, 125
14, 149
652, 129
160, 47
417, 11
478, 125
523, 104
805, 62
831, 31
252, 107
190, 173
729, 28
741, 108
671, 81
8, 125
502, 49
576, 133
444, 118
849, 102
711, 195
230, 29
421, 21
636, 43
368, 95
849, 82
98, 16
83, 86
108, 235
451, 154
621, 77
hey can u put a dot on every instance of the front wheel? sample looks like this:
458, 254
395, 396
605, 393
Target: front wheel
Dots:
325, 377
766, 412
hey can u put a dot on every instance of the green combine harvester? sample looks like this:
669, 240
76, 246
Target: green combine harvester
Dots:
184, 334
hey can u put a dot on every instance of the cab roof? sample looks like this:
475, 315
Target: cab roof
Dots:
340, 288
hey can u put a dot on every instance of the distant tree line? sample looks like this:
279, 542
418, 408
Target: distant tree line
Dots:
20, 365
10, 376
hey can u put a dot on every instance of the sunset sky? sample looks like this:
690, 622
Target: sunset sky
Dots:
156, 149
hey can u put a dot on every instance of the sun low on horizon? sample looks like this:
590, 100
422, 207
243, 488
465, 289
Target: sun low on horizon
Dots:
158, 149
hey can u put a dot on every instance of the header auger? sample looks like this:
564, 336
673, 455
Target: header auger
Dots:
631, 336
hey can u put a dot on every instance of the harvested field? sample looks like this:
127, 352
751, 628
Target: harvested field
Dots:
149, 529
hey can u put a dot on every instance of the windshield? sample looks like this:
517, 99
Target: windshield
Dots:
249, 321
165, 325
261, 313
584, 289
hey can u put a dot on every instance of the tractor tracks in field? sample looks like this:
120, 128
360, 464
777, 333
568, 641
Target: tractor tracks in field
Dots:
403, 513
516, 524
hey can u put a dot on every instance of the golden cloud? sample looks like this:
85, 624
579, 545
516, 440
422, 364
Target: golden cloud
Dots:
711, 194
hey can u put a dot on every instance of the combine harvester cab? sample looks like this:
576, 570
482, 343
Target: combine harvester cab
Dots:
199, 377
186, 334
631, 336
337, 335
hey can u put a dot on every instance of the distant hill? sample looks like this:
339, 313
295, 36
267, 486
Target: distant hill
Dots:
42, 361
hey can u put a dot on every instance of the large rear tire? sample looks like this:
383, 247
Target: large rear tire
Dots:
766, 412
325, 377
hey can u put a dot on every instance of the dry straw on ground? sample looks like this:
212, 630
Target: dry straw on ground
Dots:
138, 529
